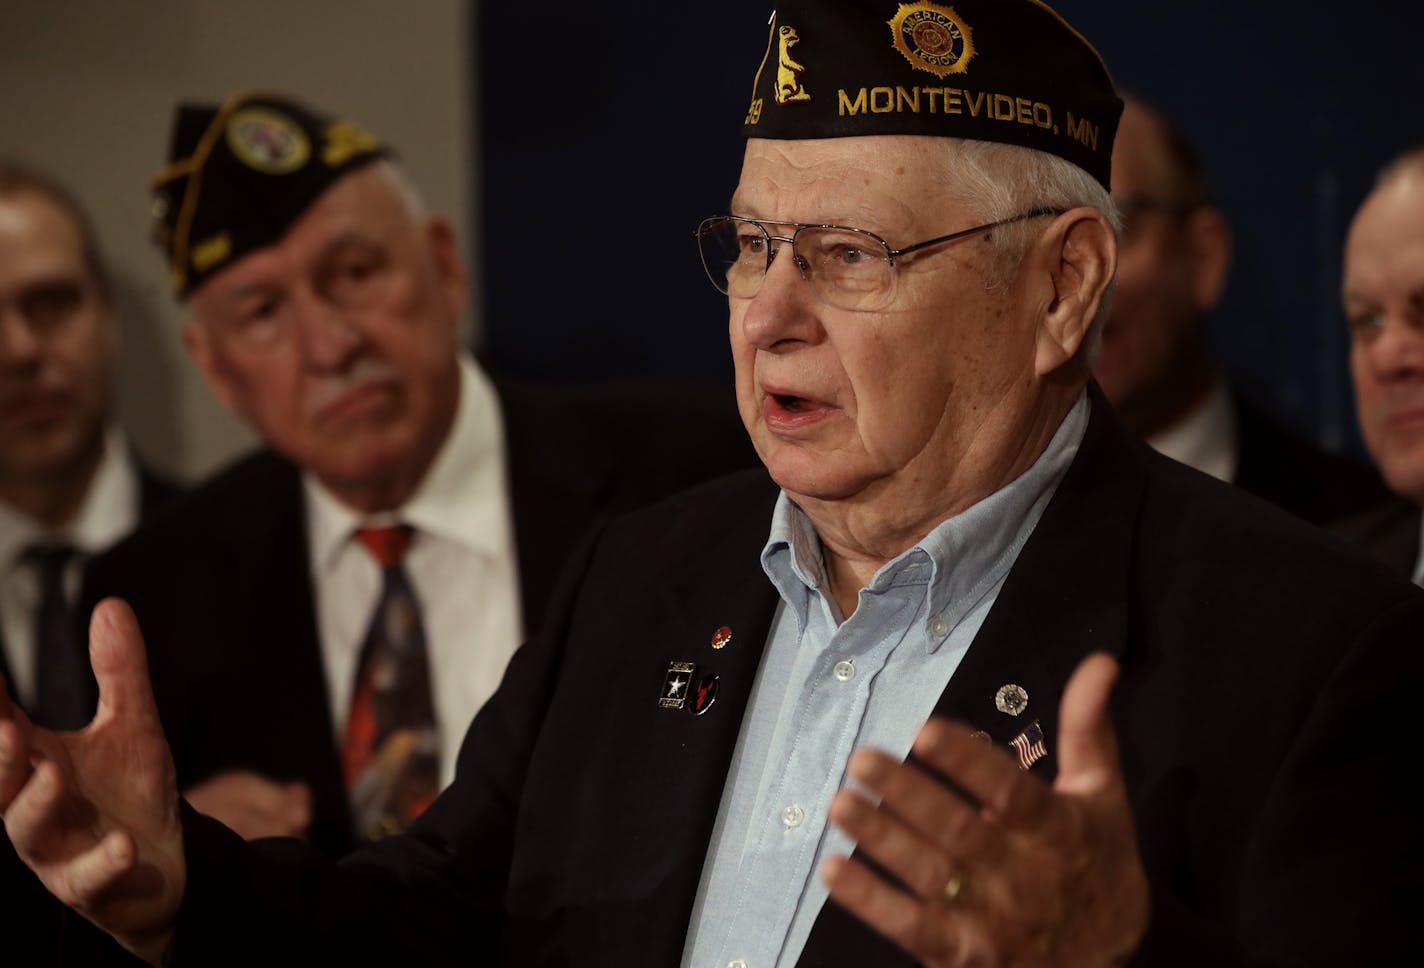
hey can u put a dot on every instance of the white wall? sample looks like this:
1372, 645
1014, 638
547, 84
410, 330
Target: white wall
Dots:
87, 91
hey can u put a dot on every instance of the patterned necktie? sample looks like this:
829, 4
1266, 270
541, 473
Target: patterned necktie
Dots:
64, 689
391, 753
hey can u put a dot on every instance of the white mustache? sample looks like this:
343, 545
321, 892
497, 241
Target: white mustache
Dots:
332, 388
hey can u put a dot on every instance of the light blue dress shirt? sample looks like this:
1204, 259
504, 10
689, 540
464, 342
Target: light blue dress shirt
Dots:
827, 687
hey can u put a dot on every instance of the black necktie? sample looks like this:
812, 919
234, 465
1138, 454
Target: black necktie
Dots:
63, 682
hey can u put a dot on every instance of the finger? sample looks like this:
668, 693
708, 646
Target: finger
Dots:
120, 665
927, 931
33, 819
919, 864
1016, 799
940, 816
15, 768
1087, 742
87, 877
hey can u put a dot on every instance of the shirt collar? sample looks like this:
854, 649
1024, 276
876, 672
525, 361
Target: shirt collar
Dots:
461, 498
108, 512
968, 554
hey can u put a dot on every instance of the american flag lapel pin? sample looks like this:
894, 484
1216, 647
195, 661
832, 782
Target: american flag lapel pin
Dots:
1030, 745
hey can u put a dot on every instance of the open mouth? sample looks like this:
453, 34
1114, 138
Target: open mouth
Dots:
792, 404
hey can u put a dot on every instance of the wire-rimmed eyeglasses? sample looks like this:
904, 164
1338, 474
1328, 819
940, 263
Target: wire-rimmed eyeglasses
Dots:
848, 268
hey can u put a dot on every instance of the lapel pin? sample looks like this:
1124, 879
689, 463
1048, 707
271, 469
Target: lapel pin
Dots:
722, 637
1030, 745
676, 684
705, 695
1011, 699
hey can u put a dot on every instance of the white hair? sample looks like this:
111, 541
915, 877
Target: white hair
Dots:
998, 181
400, 180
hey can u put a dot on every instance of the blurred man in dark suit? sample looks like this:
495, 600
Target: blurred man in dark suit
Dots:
70, 485
1156, 363
1384, 306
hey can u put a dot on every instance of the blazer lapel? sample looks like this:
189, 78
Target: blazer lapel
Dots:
634, 861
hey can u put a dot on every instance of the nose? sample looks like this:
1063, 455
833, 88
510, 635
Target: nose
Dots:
329, 337
784, 310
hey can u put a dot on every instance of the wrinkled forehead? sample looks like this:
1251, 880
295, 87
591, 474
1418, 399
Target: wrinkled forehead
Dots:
860, 181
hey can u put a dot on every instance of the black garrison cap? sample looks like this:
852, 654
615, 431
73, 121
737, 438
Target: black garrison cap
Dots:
1012, 71
241, 173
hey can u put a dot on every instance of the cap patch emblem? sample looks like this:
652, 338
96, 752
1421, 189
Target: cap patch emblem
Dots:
788, 71
211, 251
267, 141
344, 139
932, 38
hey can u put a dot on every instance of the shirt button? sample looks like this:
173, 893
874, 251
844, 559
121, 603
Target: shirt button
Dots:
736, 963
939, 628
844, 671
792, 816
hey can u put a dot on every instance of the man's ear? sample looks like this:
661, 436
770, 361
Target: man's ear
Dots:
1078, 257
449, 268
199, 346
1210, 239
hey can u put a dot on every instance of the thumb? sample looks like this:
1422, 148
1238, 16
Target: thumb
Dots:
1087, 743
120, 663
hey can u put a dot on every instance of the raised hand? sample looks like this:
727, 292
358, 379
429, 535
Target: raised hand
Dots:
1031, 875
95, 812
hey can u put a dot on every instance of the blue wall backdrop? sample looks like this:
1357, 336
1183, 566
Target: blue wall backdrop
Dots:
607, 131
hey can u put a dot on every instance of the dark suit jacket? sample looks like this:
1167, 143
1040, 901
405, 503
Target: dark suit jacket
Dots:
1259, 745
1388, 533
1315, 486
222, 591
34, 923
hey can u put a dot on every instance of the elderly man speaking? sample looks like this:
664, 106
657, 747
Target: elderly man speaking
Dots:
863, 711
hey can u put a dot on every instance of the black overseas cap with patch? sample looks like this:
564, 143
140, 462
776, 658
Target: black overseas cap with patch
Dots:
1012, 71
241, 173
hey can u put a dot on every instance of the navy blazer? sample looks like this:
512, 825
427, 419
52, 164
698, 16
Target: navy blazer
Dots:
1259, 740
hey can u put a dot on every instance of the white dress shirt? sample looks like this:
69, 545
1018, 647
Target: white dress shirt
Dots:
461, 564
1205, 438
110, 511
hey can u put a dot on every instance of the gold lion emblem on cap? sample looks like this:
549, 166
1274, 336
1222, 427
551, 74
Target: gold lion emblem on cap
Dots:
267, 140
932, 38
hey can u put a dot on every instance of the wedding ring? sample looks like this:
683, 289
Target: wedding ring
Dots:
956, 888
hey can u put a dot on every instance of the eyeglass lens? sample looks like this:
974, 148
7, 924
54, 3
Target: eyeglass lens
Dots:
847, 270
